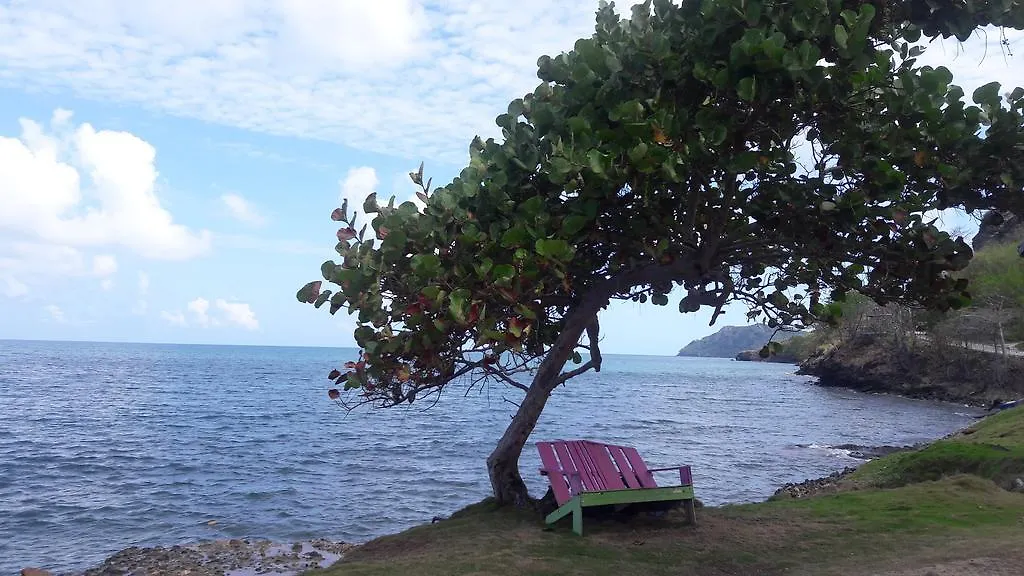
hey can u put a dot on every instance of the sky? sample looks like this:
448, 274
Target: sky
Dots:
167, 170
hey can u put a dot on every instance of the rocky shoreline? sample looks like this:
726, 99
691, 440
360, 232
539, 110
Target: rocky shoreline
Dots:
236, 557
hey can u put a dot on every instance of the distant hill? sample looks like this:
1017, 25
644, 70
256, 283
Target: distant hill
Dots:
731, 340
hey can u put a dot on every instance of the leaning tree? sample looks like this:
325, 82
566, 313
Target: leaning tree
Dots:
772, 153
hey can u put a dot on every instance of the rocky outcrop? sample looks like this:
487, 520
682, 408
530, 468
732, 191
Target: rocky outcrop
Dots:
825, 485
731, 340
998, 227
872, 363
755, 356
224, 556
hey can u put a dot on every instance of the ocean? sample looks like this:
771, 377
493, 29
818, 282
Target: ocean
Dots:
105, 446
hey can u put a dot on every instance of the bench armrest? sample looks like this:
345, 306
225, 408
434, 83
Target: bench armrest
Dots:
685, 478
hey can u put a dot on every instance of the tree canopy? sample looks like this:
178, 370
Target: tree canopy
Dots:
776, 154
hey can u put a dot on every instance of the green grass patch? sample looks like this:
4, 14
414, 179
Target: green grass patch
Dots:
993, 449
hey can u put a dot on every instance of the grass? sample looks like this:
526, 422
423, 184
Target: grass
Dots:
932, 507
992, 449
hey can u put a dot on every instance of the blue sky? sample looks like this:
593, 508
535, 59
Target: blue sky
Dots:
167, 172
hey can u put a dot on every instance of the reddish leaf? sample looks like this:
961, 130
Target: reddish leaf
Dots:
337, 215
333, 375
346, 234
350, 364
383, 233
333, 394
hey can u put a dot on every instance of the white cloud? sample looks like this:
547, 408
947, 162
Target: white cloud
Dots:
65, 189
12, 288
56, 314
104, 265
236, 313
411, 78
357, 185
241, 209
80, 187
174, 318
199, 309
239, 313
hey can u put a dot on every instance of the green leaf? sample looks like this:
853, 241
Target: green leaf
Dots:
576, 357
517, 236
553, 248
747, 88
309, 293
718, 134
596, 162
573, 223
841, 36
426, 265
370, 205
457, 303
659, 299
504, 272
987, 94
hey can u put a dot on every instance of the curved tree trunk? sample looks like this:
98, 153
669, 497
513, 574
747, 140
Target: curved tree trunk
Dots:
503, 463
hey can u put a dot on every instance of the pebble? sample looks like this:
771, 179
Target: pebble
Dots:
233, 557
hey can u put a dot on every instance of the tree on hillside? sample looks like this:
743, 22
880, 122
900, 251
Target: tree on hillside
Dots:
773, 154
997, 283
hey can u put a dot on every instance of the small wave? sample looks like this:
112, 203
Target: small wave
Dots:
831, 450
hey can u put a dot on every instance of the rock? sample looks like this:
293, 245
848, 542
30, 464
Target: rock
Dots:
1018, 485
807, 488
34, 572
997, 227
222, 556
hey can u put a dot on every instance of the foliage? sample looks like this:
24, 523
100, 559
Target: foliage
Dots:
997, 273
762, 152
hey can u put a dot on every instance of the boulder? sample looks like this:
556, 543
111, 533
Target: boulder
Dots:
998, 227
34, 572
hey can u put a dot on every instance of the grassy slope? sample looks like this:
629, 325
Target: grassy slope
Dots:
890, 520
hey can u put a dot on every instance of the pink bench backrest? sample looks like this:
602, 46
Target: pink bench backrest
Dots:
583, 466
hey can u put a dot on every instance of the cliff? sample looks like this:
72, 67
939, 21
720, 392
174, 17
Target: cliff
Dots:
731, 340
873, 364
996, 227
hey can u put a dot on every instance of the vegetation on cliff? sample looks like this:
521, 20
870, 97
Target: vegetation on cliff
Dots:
969, 355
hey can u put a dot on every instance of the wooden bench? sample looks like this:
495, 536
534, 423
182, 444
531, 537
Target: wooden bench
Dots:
583, 473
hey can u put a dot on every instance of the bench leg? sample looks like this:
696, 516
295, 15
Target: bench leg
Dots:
691, 511
577, 520
571, 507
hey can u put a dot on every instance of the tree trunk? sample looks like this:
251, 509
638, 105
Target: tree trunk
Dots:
503, 463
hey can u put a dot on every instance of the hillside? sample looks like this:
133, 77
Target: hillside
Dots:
731, 340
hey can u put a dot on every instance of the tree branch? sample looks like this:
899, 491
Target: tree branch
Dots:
594, 363
504, 377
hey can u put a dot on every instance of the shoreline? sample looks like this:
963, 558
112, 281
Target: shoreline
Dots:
255, 557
